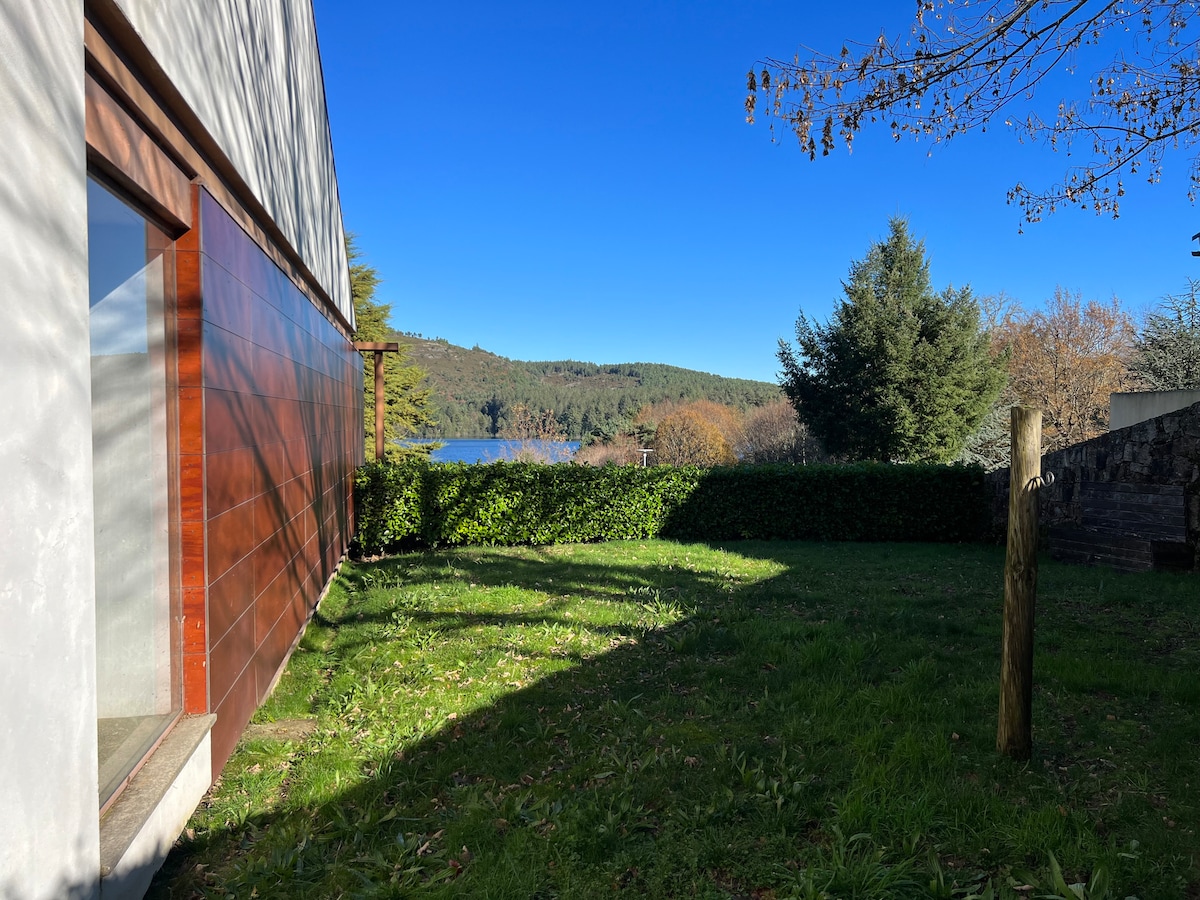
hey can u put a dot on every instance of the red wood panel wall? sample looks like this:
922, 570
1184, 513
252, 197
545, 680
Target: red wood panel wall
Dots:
191, 467
267, 497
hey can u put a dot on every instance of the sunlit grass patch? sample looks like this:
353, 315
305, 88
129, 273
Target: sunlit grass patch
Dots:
763, 720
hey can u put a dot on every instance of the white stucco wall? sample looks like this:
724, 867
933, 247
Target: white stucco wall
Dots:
49, 834
1137, 406
251, 71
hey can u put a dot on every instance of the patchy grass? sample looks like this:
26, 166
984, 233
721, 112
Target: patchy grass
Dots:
767, 720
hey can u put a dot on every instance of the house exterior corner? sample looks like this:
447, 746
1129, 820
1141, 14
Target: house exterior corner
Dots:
182, 411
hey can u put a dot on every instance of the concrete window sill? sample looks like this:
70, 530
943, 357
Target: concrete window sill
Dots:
137, 832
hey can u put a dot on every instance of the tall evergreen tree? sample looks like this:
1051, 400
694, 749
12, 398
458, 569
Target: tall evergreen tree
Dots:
900, 372
406, 400
1167, 350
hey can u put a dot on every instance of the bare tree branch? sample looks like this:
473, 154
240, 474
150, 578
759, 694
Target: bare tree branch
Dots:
964, 64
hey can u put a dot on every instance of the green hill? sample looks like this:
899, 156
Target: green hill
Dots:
473, 390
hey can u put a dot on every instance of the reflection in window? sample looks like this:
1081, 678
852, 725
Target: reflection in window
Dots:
137, 694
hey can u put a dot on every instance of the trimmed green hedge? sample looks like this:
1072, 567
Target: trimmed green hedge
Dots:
416, 503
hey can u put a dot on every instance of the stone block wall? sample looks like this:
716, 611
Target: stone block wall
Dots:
1163, 451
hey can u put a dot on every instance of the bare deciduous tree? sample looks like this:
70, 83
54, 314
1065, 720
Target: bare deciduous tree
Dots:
534, 436
619, 450
965, 66
774, 434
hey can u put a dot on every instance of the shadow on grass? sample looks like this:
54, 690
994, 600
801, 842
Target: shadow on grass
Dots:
826, 727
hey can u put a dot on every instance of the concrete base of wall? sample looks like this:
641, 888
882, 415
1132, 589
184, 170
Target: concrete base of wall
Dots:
139, 830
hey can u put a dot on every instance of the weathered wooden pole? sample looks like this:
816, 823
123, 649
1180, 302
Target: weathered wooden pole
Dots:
379, 407
1013, 736
379, 348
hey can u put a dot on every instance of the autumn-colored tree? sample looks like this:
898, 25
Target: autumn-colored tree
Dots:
727, 420
646, 419
773, 433
1066, 360
688, 437
698, 432
965, 66
406, 398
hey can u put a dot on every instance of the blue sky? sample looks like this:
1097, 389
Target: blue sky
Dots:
577, 181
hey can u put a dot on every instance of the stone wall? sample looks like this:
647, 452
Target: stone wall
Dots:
1160, 451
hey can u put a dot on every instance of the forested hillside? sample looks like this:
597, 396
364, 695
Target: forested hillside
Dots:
474, 391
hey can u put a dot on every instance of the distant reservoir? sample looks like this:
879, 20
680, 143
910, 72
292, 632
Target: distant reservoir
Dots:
485, 450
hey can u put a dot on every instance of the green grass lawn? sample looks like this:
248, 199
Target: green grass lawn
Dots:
766, 720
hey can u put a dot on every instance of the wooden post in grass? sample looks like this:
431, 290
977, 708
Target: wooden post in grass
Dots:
1013, 736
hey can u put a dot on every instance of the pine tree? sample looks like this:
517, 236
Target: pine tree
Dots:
406, 400
900, 373
1167, 351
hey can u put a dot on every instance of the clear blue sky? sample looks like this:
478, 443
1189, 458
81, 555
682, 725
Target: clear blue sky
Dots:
577, 181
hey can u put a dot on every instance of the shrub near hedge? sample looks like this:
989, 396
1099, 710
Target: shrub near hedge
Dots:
416, 503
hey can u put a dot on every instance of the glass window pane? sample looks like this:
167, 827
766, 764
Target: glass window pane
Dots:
136, 697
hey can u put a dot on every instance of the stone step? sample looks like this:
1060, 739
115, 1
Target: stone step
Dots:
1078, 545
1122, 552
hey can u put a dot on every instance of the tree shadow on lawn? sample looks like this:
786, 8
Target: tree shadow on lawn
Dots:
826, 727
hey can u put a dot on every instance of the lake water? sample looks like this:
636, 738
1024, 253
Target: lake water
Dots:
473, 450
